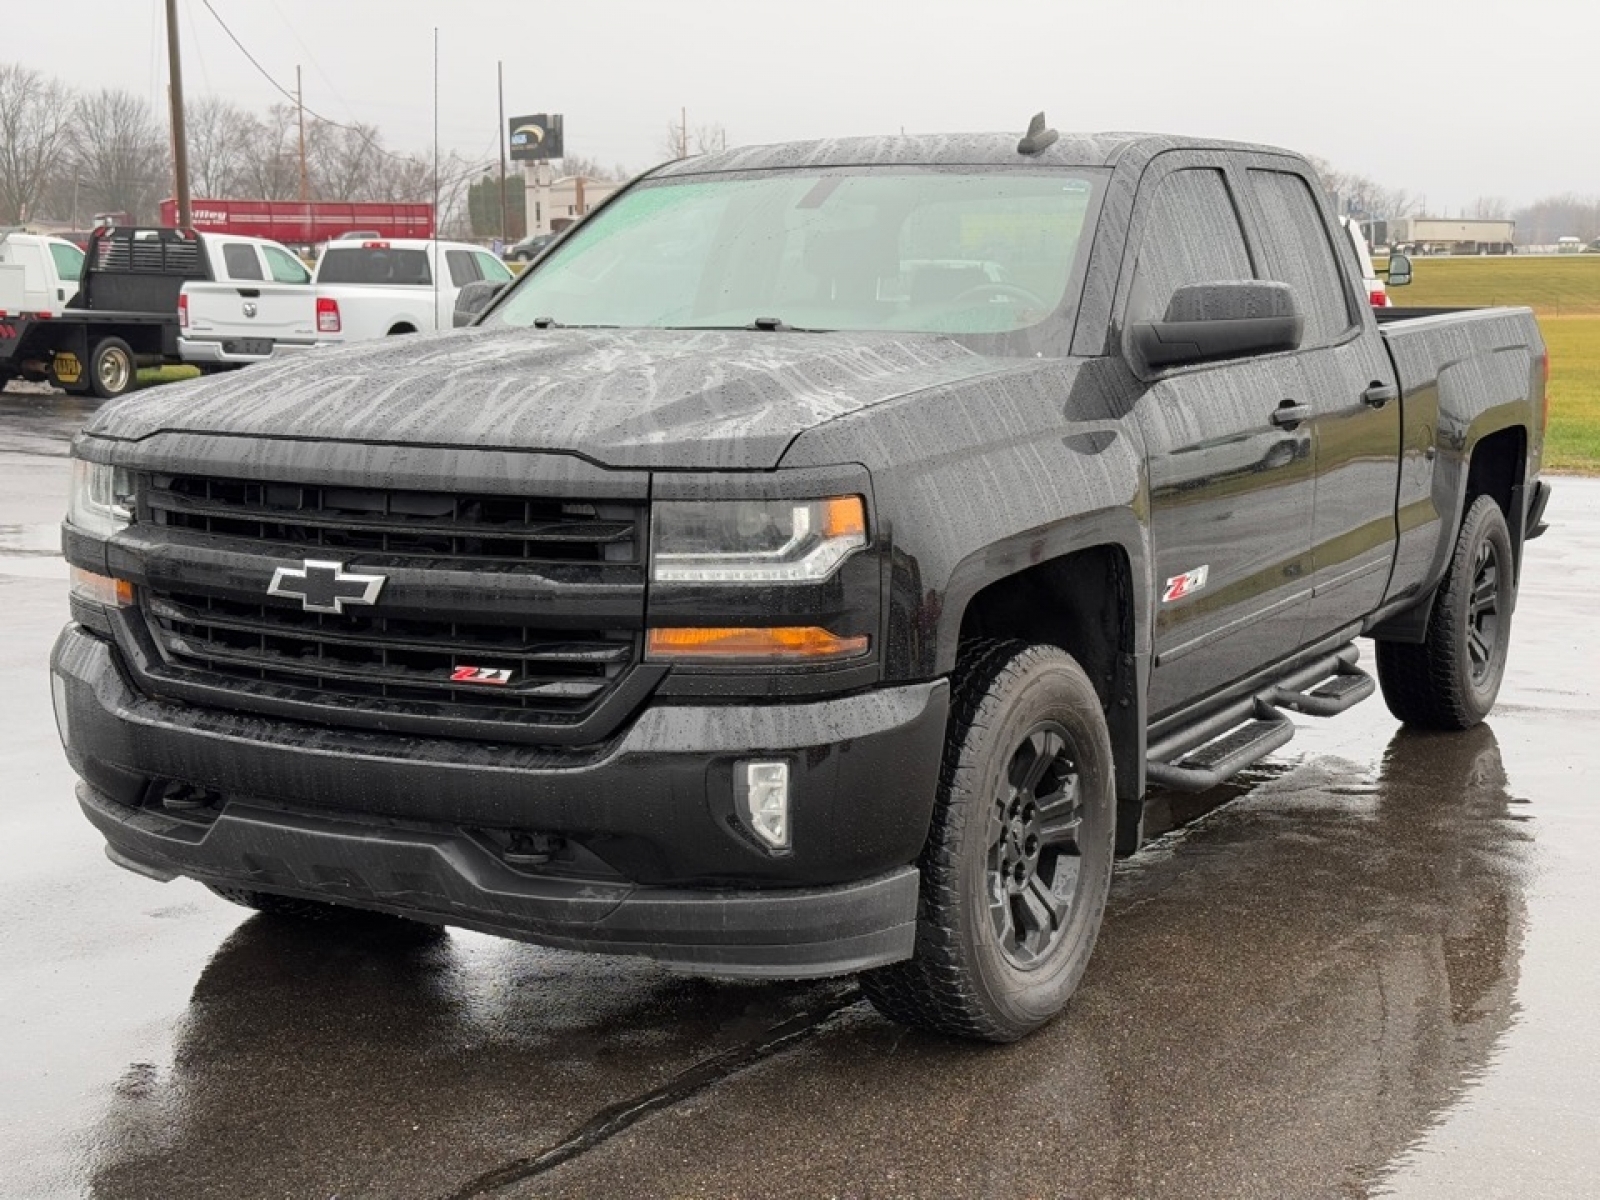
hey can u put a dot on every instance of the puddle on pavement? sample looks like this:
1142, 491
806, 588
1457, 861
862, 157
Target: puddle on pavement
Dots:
30, 539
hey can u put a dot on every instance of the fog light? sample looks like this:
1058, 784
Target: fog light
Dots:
763, 795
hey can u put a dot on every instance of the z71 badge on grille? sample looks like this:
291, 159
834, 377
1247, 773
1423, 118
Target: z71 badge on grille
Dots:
325, 587
499, 675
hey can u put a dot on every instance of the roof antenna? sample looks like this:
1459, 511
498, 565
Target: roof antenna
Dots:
1038, 138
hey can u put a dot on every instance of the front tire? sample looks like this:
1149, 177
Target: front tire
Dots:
1451, 680
1017, 866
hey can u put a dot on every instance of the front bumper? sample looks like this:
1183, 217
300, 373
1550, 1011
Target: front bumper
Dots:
409, 825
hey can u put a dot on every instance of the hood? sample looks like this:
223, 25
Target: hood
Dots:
668, 399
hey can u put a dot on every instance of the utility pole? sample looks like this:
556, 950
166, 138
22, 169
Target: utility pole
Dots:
300, 108
501, 141
180, 137
683, 138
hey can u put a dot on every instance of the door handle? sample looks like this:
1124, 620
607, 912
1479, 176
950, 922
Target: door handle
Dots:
249, 293
1379, 394
1289, 414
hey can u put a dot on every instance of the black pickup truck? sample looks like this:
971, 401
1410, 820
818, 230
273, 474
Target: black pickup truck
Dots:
124, 315
805, 567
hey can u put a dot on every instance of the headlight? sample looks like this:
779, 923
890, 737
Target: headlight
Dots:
754, 541
102, 498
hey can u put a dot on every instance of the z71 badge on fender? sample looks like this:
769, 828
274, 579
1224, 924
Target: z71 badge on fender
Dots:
1186, 584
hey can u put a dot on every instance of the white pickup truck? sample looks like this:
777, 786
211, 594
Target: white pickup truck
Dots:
38, 273
361, 289
372, 289
261, 299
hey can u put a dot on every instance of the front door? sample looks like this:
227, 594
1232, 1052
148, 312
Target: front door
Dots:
1231, 477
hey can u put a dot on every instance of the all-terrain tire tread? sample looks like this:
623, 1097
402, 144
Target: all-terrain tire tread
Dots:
1421, 681
930, 990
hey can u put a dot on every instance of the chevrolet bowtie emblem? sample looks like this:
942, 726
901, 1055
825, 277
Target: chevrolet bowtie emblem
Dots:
325, 587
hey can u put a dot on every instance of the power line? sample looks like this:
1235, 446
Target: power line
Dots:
292, 98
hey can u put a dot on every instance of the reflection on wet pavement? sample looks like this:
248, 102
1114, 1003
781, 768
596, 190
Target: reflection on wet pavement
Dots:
1275, 1009
1290, 995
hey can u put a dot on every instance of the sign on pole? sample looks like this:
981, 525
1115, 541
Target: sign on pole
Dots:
537, 138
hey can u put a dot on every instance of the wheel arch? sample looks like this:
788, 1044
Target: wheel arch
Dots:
1091, 600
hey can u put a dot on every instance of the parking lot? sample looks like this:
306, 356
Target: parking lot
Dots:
1366, 967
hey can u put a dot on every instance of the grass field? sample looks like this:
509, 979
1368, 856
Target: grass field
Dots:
1564, 292
172, 374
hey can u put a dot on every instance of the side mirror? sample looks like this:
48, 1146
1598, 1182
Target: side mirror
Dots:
472, 299
1399, 270
1206, 321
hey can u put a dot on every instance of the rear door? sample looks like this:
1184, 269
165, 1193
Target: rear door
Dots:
1231, 488
1350, 384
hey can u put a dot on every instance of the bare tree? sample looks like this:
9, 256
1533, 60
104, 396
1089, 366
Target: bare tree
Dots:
1490, 208
219, 147
344, 160
271, 168
119, 153
34, 115
1546, 220
1361, 196
590, 168
679, 142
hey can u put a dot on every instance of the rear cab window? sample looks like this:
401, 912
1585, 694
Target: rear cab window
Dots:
463, 270
376, 265
1295, 238
240, 260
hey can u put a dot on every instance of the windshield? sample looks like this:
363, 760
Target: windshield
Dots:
965, 251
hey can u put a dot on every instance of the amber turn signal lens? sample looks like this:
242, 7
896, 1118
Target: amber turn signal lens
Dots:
843, 516
100, 589
785, 642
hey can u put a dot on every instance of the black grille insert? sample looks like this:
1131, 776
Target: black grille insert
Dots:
487, 529
524, 652
554, 675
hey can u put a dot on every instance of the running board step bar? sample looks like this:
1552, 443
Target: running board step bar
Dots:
1201, 756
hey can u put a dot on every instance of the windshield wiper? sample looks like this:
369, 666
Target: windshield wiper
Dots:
552, 323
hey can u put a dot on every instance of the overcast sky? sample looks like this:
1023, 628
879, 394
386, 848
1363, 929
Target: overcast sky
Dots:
1441, 97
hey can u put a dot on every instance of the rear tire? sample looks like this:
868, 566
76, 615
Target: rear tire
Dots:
1450, 680
111, 368
1017, 866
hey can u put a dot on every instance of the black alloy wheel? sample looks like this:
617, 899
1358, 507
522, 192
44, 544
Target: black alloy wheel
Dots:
1033, 851
1451, 678
1483, 612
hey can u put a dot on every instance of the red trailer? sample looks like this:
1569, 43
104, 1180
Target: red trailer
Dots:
305, 224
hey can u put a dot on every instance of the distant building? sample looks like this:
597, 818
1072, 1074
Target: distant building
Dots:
555, 204
1439, 235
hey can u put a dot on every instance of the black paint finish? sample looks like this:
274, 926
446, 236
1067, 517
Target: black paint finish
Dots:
1177, 529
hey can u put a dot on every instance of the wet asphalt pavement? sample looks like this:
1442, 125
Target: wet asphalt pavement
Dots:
1367, 969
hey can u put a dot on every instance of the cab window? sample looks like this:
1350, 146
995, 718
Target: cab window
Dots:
1191, 235
239, 258
285, 267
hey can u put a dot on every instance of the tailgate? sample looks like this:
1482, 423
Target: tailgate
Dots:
273, 311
